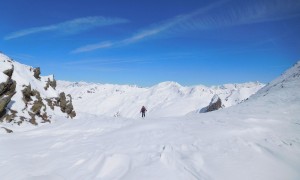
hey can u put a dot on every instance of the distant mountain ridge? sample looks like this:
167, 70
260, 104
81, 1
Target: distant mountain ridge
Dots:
162, 100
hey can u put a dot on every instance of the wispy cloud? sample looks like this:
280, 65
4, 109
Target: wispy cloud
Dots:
151, 31
69, 27
224, 13
102, 64
92, 47
105, 61
244, 12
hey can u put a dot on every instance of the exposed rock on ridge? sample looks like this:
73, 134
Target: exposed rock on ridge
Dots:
26, 97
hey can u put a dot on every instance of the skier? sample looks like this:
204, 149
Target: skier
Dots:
143, 111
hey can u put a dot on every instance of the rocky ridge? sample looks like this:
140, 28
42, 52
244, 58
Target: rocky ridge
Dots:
28, 98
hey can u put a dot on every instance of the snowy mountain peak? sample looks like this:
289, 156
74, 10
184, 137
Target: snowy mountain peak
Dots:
168, 84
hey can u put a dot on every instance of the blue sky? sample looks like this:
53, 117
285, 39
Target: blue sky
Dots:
146, 42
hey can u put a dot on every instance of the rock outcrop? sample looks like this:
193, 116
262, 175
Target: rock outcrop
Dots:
7, 90
50, 83
37, 72
66, 105
26, 97
214, 105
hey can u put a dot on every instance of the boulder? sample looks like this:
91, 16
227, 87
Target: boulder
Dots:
53, 84
37, 106
62, 102
27, 93
214, 104
4, 100
66, 105
50, 83
9, 72
7, 90
37, 72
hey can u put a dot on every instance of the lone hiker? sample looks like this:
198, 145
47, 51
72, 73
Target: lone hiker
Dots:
143, 111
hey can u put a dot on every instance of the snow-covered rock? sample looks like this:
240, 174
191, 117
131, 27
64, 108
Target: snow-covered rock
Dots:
25, 95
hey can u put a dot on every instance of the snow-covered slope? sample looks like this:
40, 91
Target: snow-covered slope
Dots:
28, 99
257, 139
162, 100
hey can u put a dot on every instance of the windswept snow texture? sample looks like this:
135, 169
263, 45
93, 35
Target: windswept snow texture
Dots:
258, 139
167, 99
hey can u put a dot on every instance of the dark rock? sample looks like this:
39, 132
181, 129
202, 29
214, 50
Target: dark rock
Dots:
2, 115
214, 104
69, 105
12, 87
27, 93
22, 119
7, 91
62, 102
3, 87
7, 130
4, 102
9, 72
50, 103
36, 107
50, 83
37, 72
72, 114
32, 120
10, 117
66, 106
45, 117
8, 87
53, 84
69, 108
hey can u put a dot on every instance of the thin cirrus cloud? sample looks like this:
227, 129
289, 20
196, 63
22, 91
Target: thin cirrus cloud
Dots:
221, 14
244, 12
105, 61
69, 27
153, 30
107, 65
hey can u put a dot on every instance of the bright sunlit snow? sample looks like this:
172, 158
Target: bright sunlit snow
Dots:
256, 139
